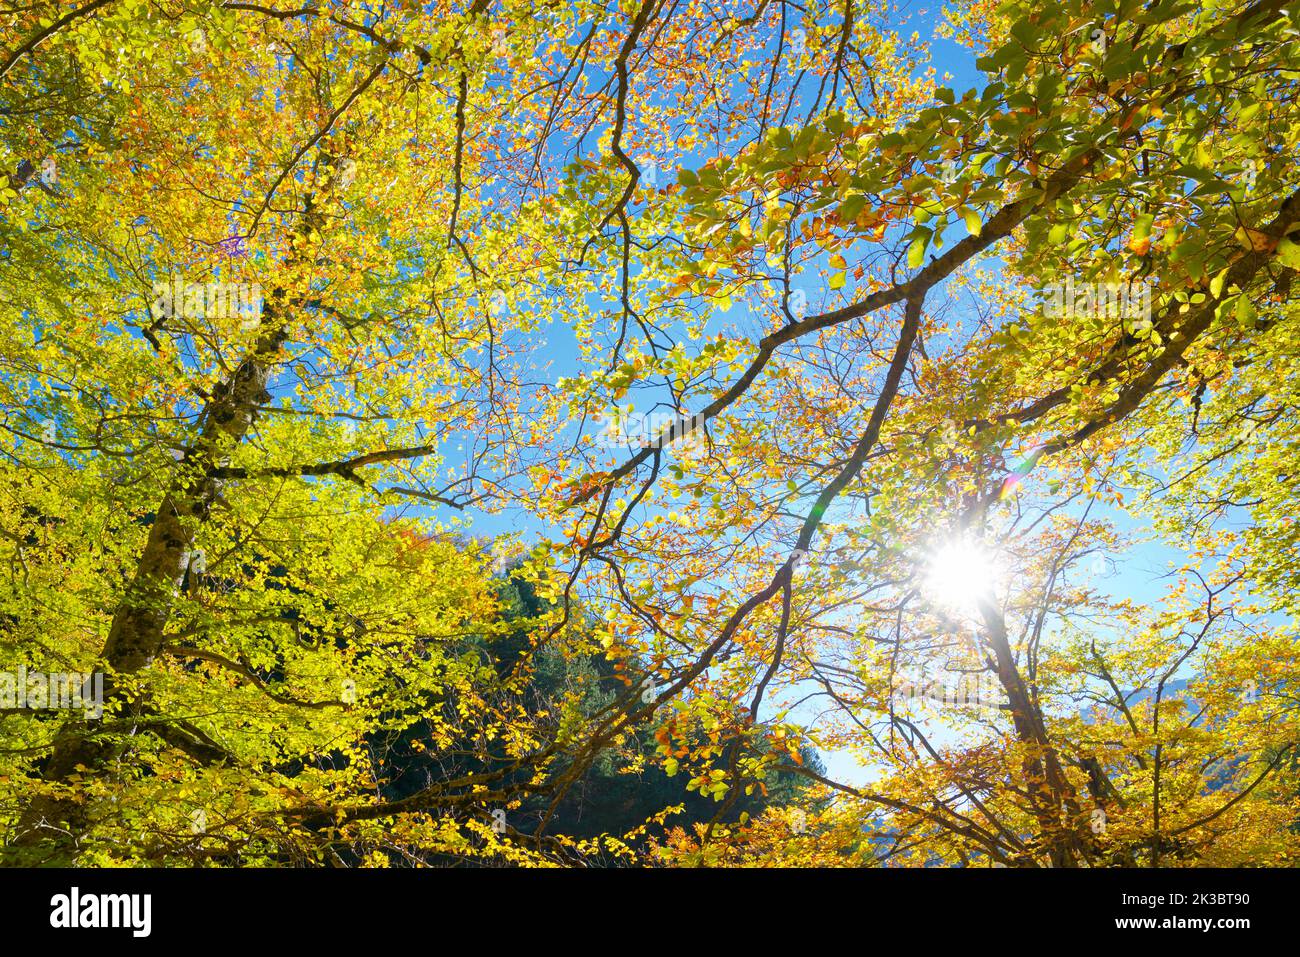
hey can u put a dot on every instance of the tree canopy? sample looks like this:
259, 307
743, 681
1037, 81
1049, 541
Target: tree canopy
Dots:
423, 414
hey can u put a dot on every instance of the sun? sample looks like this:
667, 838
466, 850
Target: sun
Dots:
961, 574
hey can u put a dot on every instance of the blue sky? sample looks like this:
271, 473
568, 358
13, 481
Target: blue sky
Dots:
1135, 575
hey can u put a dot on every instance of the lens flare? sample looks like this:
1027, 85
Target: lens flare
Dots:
960, 574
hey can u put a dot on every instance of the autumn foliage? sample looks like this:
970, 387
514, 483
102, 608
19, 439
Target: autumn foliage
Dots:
494, 247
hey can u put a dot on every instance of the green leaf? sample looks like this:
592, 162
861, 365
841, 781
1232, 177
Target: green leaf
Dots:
852, 207
1288, 253
916, 251
1246, 311
1216, 284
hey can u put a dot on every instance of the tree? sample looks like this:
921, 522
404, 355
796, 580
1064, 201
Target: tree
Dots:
282, 305
622, 801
